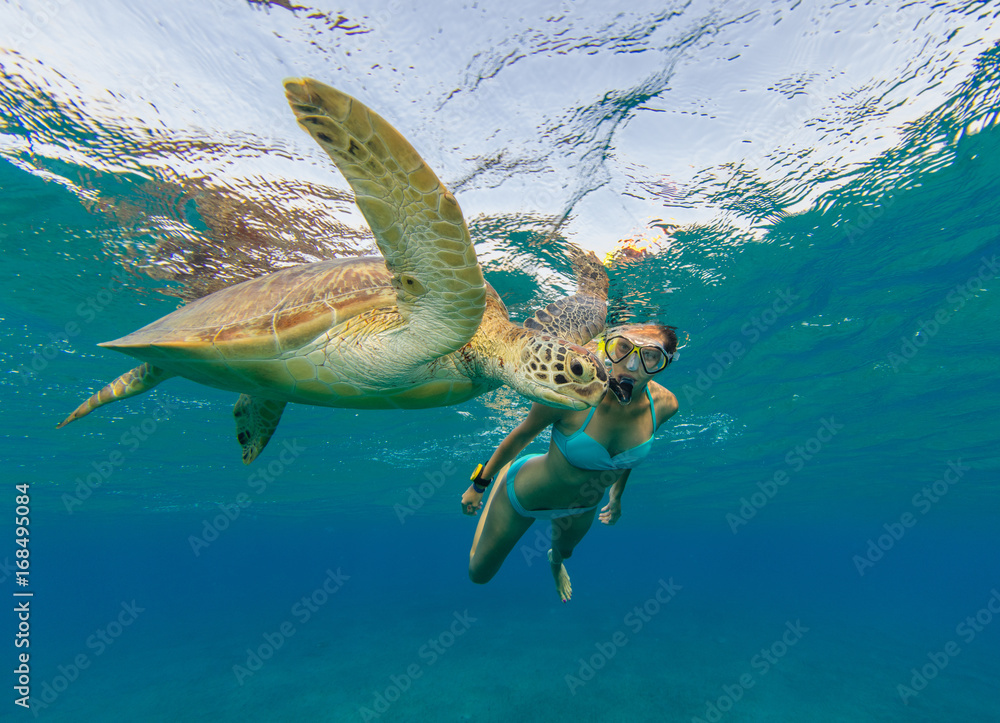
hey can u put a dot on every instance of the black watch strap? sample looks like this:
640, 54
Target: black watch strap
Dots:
479, 484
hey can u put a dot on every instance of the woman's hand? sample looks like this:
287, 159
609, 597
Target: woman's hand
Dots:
611, 512
472, 501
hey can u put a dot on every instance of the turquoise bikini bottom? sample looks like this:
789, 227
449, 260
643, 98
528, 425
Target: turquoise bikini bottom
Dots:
537, 514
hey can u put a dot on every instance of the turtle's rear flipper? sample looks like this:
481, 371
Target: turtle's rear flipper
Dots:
256, 420
139, 380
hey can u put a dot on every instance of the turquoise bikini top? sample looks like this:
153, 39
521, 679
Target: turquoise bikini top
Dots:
583, 451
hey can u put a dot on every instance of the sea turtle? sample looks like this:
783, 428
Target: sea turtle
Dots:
417, 328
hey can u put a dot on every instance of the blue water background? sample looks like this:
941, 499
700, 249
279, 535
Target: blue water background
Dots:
866, 216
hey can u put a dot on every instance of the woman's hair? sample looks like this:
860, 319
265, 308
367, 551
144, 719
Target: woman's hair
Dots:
667, 334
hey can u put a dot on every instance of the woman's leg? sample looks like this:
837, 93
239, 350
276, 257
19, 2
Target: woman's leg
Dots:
500, 527
566, 533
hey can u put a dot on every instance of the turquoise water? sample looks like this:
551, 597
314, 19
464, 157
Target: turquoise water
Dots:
814, 535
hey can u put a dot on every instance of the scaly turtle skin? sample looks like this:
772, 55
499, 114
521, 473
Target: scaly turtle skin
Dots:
416, 328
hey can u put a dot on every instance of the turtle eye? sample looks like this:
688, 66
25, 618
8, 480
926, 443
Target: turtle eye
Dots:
576, 367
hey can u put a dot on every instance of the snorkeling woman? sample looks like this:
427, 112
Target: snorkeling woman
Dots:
589, 452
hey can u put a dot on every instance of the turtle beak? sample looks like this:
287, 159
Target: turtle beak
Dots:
555, 399
582, 398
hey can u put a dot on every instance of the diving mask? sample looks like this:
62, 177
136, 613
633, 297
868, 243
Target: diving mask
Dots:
654, 358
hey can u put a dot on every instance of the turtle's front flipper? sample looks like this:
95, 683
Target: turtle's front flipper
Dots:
256, 420
580, 317
139, 380
417, 223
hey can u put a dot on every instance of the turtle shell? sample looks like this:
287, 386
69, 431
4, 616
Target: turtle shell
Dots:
265, 317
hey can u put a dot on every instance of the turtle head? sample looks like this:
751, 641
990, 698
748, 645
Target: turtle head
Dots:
557, 373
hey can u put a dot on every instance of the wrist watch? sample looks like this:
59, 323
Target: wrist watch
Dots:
479, 483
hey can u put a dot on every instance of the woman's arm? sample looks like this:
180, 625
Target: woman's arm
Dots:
613, 510
539, 417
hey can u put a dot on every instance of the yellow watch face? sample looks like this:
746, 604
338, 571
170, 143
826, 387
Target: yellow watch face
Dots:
475, 475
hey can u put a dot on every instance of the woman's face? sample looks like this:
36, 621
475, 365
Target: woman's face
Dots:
629, 375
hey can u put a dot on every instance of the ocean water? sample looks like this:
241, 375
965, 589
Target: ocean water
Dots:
809, 191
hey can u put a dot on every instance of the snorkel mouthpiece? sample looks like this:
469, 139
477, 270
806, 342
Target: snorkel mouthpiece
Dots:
622, 389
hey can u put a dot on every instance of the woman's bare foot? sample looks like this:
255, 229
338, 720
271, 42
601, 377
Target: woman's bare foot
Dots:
563, 586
